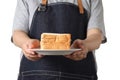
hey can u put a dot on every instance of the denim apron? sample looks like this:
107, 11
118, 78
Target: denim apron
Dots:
58, 18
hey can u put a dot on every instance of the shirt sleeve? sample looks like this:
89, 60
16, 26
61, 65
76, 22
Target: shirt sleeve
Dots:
96, 19
21, 18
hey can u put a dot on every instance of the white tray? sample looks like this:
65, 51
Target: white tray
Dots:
54, 52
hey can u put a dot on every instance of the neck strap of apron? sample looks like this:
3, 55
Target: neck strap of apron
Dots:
80, 6
44, 2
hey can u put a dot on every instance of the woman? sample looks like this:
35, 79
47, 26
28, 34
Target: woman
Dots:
81, 18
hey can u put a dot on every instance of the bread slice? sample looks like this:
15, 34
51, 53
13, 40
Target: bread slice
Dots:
55, 41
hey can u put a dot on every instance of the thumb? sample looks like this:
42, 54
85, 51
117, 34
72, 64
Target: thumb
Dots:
77, 44
80, 44
34, 44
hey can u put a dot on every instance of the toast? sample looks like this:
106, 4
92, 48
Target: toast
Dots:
55, 41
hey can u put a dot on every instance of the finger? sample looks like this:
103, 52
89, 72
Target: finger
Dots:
40, 55
36, 55
79, 55
74, 44
84, 55
33, 58
30, 53
68, 56
28, 56
73, 56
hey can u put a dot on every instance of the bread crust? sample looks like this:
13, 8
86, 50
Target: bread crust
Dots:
55, 41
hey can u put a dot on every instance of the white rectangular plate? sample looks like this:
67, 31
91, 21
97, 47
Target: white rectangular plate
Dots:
54, 52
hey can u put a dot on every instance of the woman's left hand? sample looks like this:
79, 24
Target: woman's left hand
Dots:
78, 55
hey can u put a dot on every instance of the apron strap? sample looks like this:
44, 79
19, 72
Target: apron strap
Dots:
44, 2
81, 9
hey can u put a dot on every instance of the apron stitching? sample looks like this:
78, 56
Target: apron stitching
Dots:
74, 77
59, 75
56, 76
48, 71
68, 75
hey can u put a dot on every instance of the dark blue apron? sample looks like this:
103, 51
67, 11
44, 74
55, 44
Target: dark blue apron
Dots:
58, 18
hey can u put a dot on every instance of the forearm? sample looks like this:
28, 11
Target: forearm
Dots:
94, 39
19, 38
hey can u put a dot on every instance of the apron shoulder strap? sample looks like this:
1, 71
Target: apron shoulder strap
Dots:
81, 9
44, 2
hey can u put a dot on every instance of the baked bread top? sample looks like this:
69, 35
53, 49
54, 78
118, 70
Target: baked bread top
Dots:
55, 41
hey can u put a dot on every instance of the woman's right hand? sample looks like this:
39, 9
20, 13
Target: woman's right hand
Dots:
30, 44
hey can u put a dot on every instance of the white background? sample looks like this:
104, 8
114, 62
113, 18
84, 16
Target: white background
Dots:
108, 56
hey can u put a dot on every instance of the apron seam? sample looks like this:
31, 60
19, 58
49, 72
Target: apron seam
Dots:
57, 74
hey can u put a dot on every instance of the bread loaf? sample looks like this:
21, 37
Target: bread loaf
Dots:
55, 41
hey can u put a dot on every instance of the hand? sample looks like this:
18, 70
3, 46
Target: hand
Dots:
78, 55
32, 43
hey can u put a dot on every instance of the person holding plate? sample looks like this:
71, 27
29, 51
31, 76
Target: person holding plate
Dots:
83, 19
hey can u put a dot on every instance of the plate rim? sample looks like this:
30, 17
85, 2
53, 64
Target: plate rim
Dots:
37, 49
53, 52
